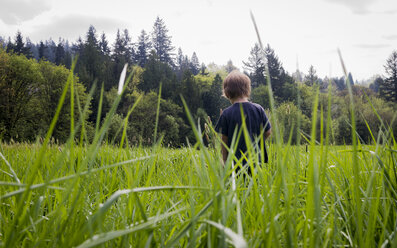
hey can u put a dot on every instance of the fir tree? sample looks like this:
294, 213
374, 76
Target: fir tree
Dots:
19, 46
59, 53
42, 49
104, 45
32, 49
203, 70
256, 66
276, 71
194, 64
143, 49
129, 52
388, 88
161, 42
311, 79
119, 54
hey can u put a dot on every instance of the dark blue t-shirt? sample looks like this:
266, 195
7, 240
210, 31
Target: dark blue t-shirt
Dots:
255, 119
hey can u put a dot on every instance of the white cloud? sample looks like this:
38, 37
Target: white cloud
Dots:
14, 12
72, 26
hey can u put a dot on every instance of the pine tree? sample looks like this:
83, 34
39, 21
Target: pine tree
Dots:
311, 79
161, 42
182, 64
388, 88
42, 48
119, 56
68, 55
50, 51
19, 46
276, 71
190, 91
104, 45
90, 59
256, 66
32, 49
194, 64
10, 46
129, 52
213, 100
203, 70
60, 53
143, 49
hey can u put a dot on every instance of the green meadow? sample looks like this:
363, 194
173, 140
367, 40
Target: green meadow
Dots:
99, 194
159, 197
89, 192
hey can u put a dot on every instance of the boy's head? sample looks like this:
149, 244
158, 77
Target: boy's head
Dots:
236, 85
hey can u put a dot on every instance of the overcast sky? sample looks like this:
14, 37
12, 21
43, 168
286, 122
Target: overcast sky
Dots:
302, 32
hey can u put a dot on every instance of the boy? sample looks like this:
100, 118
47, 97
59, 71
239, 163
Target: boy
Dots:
237, 88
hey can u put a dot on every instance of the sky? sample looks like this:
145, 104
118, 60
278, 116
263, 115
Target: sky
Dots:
302, 32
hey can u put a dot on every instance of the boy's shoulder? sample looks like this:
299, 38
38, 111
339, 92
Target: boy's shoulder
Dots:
246, 105
256, 105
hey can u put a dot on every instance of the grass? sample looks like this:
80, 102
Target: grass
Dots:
167, 197
97, 194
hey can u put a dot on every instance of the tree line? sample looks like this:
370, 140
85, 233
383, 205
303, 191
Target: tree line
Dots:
32, 77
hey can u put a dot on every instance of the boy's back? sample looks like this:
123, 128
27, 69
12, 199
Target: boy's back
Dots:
255, 119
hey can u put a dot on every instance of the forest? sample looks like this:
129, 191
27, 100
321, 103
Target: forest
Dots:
33, 77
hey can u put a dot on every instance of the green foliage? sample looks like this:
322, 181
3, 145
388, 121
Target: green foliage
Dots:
292, 121
171, 125
213, 101
260, 95
30, 92
20, 79
156, 73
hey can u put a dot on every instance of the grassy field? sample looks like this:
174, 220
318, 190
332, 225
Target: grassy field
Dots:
182, 197
89, 193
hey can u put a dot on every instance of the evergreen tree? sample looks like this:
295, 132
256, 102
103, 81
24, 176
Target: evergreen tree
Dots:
350, 78
19, 46
161, 42
33, 52
190, 91
78, 47
182, 64
156, 73
339, 83
121, 53
256, 66
42, 49
129, 52
59, 53
311, 79
104, 45
90, 60
50, 51
143, 49
276, 71
194, 64
203, 70
9, 46
376, 84
213, 100
388, 89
